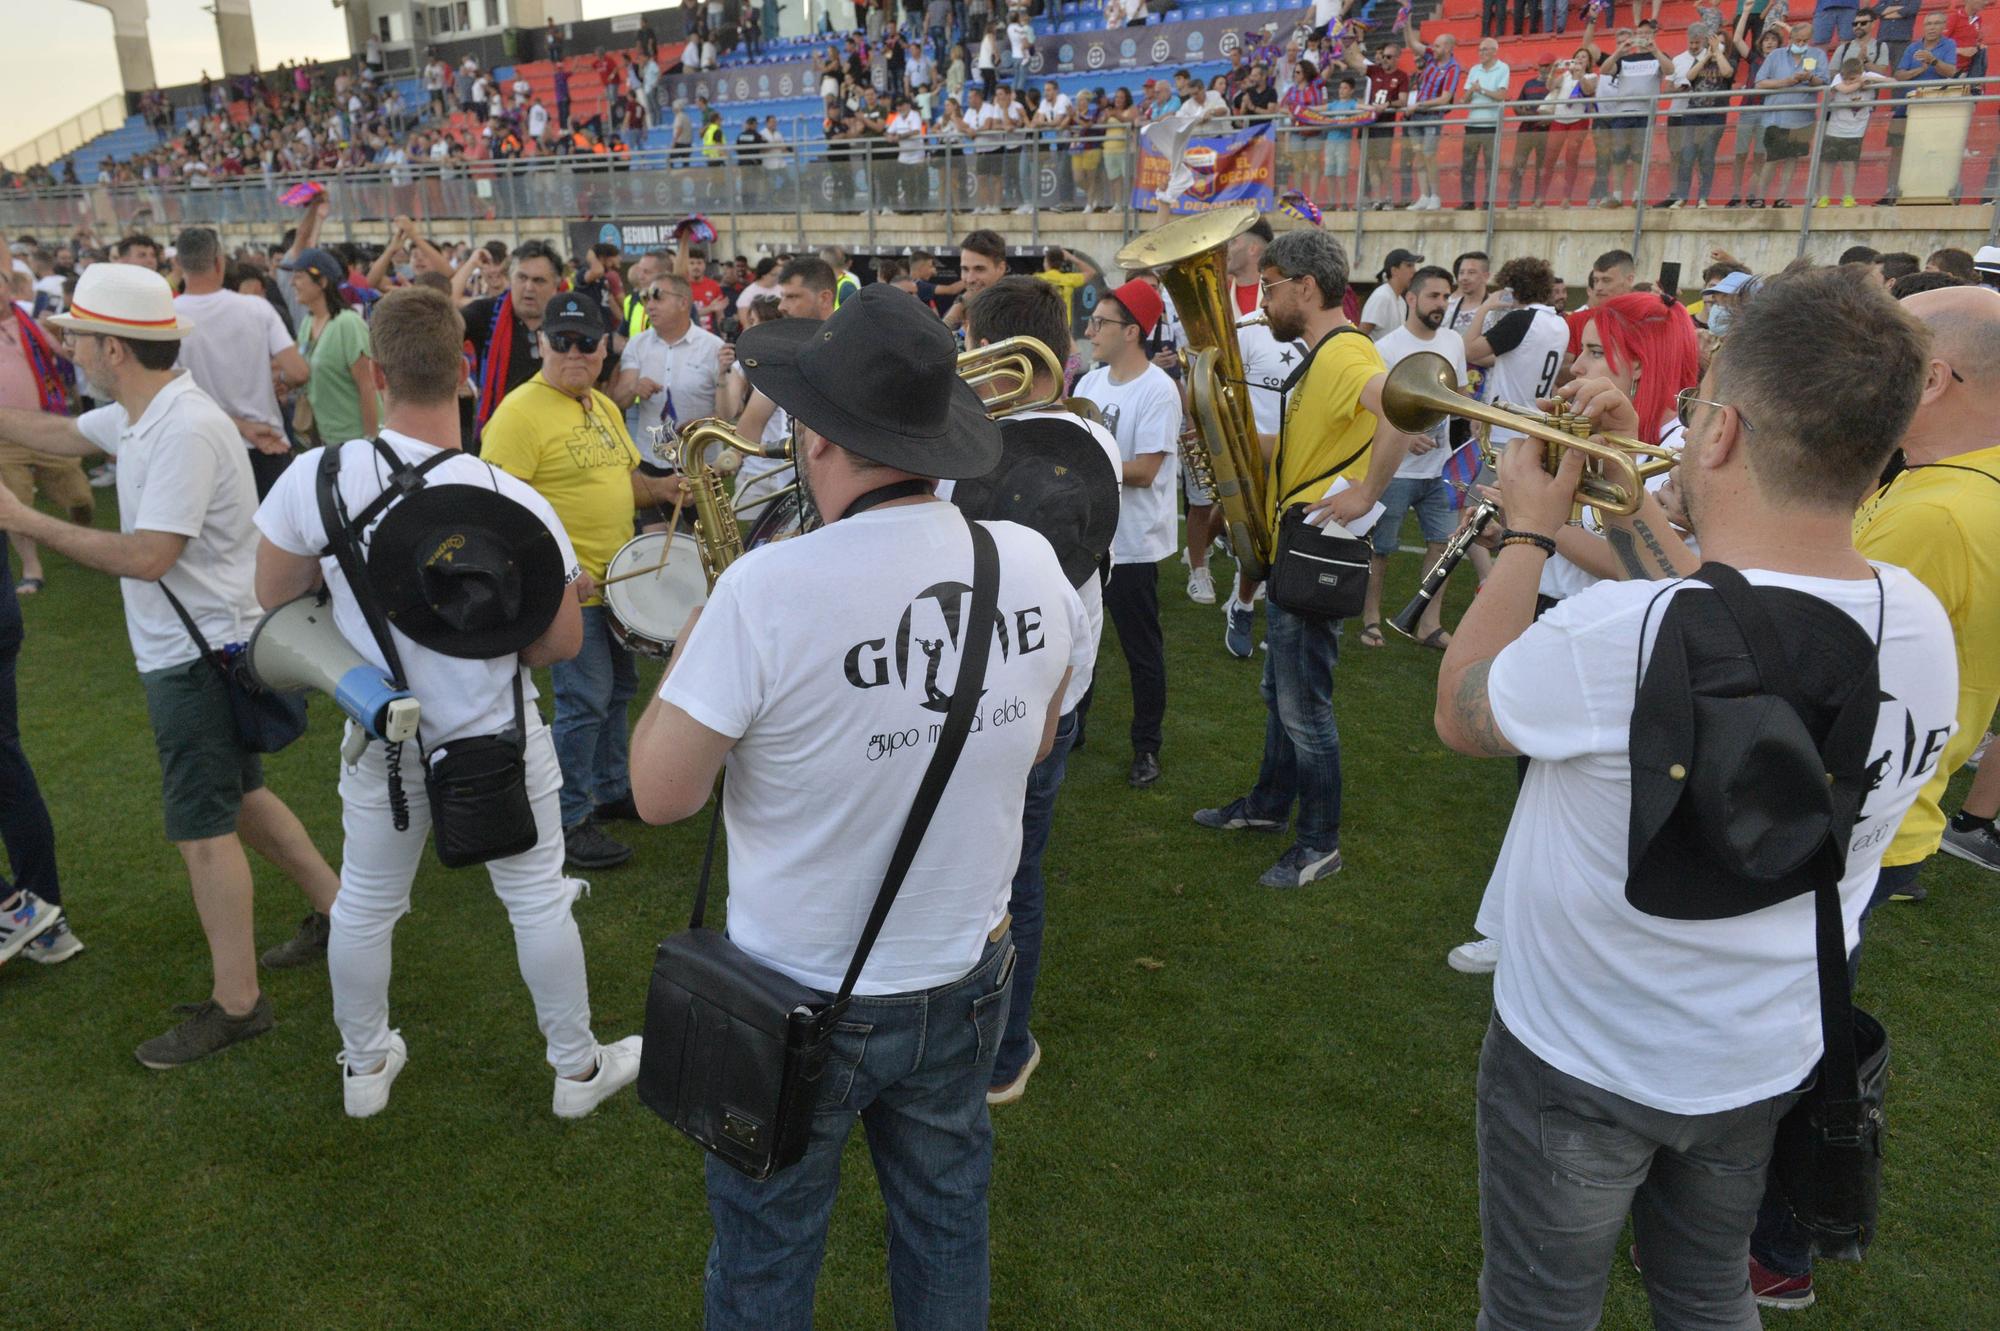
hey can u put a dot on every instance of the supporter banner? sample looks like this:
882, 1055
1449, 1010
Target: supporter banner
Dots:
1109, 51
1233, 168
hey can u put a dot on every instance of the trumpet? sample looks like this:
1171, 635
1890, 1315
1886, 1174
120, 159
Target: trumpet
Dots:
1421, 391
1009, 368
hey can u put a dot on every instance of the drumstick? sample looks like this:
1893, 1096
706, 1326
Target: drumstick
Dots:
666, 551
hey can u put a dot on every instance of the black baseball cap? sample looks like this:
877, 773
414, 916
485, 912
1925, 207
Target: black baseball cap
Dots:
573, 313
1398, 257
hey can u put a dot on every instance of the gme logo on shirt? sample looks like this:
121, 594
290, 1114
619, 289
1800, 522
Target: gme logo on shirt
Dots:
930, 626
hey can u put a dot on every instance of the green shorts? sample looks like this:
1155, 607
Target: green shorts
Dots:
204, 771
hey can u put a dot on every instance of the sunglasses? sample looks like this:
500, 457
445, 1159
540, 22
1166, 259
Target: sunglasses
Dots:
564, 343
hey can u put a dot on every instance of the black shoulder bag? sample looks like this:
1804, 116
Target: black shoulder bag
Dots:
1316, 574
266, 721
477, 786
1827, 1156
734, 1051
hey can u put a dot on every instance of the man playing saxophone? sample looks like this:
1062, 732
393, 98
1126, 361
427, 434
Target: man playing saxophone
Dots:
1330, 430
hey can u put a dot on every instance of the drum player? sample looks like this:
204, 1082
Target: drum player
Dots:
568, 441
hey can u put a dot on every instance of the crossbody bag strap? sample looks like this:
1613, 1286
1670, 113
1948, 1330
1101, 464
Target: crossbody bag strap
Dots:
187, 621
1284, 391
978, 630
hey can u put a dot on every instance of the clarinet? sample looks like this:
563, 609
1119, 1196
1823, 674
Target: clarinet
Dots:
1456, 549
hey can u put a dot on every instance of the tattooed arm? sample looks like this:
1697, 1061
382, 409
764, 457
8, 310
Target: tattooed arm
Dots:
1472, 727
1647, 546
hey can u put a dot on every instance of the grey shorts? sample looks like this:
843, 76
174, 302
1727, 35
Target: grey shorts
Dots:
204, 771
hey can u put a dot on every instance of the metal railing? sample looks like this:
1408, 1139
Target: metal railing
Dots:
1522, 159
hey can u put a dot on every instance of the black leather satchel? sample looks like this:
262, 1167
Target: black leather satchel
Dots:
1315, 574
734, 1051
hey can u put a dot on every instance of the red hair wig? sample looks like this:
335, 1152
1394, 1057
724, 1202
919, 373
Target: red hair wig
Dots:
1652, 332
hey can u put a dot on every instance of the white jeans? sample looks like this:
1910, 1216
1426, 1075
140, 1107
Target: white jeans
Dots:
377, 866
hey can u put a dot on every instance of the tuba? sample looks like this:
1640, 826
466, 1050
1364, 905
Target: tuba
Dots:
1008, 368
1223, 451
717, 534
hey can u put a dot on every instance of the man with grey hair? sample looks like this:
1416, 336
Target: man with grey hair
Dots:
218, 353
1336, 456
1705, 71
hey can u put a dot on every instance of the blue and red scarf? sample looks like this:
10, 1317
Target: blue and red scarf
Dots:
499, 354
55, 378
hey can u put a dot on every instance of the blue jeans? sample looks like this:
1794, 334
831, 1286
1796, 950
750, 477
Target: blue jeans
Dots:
1301, 745
914, 1068
1831, 19
592, 689
1555, 15
1037, 816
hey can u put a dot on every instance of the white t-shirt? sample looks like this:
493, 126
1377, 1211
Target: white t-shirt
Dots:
1528, 345
1394, 347
1267, 363
1385, 309
687, 372
752, 292
911, 148
538, 121
1020, 40
830, 658
1144, 416
230, 349
1687, 1016
459, 697
751, 486
987, 122
182, 469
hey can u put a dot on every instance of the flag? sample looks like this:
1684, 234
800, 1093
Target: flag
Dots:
694, 227
1461, 469
298, 196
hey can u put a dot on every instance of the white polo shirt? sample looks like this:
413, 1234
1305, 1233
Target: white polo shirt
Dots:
687, 371
182, 470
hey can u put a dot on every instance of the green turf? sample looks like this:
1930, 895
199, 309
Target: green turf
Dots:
1255, 1108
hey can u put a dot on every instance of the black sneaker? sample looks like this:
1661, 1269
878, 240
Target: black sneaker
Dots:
1235, 817
1145, 770
620, 810
307, 947
587, 846
1980, 845
207, 1030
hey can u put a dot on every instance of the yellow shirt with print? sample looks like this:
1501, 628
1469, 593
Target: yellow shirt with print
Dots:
1066, 285
1324, 423
577, 457
1939, 523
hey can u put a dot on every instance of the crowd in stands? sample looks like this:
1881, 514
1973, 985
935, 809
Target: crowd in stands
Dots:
955, 76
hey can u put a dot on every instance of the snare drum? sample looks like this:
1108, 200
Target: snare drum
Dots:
648, 610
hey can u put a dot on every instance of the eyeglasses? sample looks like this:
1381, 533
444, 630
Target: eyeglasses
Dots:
1097, 321
1264, 288
564, 343
1686, 399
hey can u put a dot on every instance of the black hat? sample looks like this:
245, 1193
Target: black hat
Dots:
879, 378
573, 313
466, 571
1053, 477
1397, 258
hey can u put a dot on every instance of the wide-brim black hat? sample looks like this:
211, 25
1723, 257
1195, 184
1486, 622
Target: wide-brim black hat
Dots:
1055, 478
879, 378
466, 571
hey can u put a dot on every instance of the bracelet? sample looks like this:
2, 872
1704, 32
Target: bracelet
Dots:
1536, 539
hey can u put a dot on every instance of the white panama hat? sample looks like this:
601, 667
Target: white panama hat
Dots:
124, 300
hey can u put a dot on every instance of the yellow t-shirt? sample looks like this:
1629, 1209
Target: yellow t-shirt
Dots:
579, 459
1324, 423
1938, 522
1066, 284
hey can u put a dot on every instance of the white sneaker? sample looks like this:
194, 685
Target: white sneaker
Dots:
366, 1094
56, 946
1201, 587
1024, 210
1421, 202
1972, 763
1436, 204
1479, 957
26, 922
104, 476
617, 1068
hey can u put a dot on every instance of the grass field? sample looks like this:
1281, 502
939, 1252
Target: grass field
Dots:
1255, 1110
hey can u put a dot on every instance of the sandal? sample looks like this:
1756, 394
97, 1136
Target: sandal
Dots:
1437, 640
1371, 634
28, 586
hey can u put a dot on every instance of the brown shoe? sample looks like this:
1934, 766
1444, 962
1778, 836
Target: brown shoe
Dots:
208, 1030
307, 947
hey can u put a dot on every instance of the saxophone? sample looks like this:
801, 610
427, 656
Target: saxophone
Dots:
718, 536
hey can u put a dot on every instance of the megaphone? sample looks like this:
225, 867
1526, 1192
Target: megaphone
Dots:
297, 647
